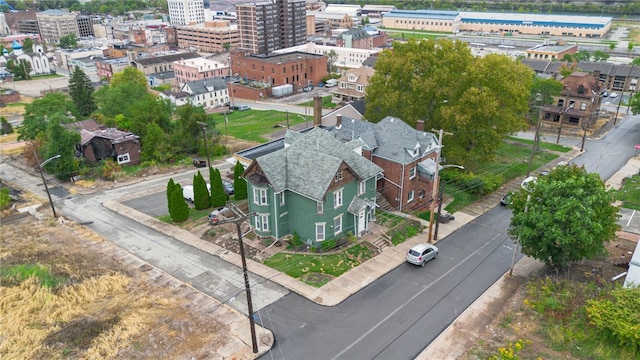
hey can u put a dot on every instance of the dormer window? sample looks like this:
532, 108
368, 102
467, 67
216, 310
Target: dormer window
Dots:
352, 77
581, 90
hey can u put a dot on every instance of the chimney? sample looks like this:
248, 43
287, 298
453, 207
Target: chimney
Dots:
420, 125
338, 121
317, 111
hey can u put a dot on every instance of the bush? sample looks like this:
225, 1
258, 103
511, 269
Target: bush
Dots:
328, 245
5, 199
111, 170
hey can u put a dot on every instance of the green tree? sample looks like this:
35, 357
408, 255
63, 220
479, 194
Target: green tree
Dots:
21, 69
37, 113
201, 197
171, 186
218, 196
179, 210
81, 91
600, 56
60, 141
5, 126
635, 61
68, 41
630, 46
617, 317
127, 88
484, 100
188, 131
155, 147
582, 55
566, 216
27, 45
612, 46
239, 183
567, 58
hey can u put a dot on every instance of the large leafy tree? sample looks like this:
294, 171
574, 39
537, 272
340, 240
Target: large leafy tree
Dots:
27, 45
68, 41
125, 90
60, 141
188, 130
565, 216
21, 69
479, 100
239, 183
39, 111
81, 91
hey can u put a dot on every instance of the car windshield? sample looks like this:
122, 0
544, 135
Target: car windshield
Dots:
414, 253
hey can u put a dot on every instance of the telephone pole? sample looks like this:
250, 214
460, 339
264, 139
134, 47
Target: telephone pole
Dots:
436, 181
238, 220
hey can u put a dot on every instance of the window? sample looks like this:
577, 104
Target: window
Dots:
412, 173
260, 196
123, 159
282, 198
319, 207
410, 196
262, 222
319, 231
572, 104
583, 106
337, 224
362, 188
337, 199
338, 176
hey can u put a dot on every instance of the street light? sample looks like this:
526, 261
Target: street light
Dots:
526, 185
204, 134
46, 188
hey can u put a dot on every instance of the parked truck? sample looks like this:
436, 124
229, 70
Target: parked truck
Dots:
331, 83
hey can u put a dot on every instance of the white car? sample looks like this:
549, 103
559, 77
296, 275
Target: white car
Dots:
421, 253
613, 95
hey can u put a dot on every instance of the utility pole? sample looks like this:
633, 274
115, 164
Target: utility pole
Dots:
204, 134
436, 181
238, 220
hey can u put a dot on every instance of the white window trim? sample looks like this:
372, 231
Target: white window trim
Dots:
412, 172
260, 196
337, 228
320, 207
282, 199
337, 199
411, 196
320, 238
124, 159
362, 188
262, 222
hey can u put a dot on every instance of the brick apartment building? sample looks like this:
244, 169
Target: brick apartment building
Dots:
209, 37
296, 68
198, 69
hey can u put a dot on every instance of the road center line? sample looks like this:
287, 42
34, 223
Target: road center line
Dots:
413, 297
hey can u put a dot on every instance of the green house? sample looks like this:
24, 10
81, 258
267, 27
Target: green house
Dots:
317, 187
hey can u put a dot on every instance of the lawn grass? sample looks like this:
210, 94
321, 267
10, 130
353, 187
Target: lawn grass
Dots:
326, 102
629, 193
544, 145
22, 272
253, 125
194, 215
299, 265
511, 162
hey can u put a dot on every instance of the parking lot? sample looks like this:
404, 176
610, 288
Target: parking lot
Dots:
630, 220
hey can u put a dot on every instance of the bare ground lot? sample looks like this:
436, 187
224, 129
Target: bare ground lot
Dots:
109, 304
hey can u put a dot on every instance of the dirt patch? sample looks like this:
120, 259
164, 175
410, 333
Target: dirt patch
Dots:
517, 321
102, 307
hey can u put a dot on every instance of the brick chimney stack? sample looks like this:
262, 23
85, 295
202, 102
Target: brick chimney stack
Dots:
338, 121
420, 125
317, 111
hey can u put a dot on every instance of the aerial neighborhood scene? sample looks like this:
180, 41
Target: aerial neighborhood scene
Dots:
304, 179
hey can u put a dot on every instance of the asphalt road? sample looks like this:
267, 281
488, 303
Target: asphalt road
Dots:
397, 315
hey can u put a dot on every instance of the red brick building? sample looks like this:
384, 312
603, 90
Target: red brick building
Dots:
295, 68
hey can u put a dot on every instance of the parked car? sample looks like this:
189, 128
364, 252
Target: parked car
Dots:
228, 187
244, 108
421, 253
308, 87
216, 215
331, 83
605, 93
199, 163
506, 199
613, 95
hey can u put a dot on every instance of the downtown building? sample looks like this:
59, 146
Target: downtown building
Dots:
186, 12
271, 25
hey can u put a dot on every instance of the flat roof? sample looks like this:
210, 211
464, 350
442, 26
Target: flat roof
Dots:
595, 22
286, 57
424, 14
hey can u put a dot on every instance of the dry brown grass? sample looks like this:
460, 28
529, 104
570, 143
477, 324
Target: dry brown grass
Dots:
103, 310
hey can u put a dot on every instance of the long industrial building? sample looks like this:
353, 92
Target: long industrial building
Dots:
503, 23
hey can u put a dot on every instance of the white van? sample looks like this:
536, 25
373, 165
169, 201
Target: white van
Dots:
187, 192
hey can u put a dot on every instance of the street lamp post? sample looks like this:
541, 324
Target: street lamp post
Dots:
523, 185
46, 187
204, 134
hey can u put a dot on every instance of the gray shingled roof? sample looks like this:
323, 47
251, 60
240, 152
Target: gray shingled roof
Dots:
204, 86
309, 164
167, 58
391, 138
